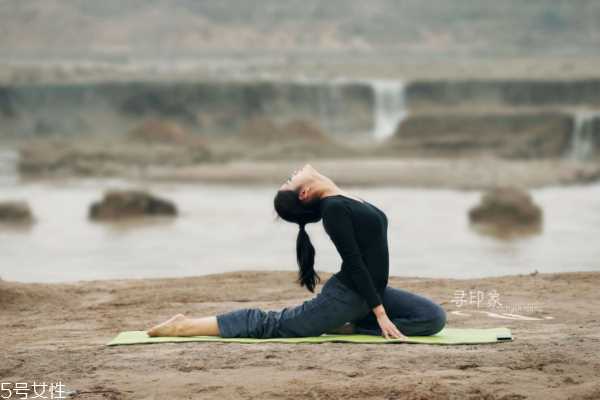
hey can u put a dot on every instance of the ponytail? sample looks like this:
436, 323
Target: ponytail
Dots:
305, 255
289, 207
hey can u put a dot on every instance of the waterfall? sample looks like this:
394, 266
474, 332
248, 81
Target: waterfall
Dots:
390, 107
582, 138
8, 166
328, 96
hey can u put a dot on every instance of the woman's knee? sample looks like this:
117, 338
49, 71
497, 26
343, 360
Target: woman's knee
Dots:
249, 323
430, 325
264, 324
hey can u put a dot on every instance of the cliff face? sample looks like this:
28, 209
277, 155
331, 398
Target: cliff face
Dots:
527, 119
503, 92
211, 108
511, 135
421, 29
447, 118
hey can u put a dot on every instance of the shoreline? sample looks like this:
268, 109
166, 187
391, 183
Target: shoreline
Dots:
472, 173
219, 275
440, 173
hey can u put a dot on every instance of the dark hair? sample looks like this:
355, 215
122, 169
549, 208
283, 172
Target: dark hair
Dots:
290, 208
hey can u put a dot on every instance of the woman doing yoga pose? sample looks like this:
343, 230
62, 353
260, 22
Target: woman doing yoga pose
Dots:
354, 300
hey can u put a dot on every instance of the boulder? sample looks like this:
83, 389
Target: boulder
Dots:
15, 212
119, 204
506, 210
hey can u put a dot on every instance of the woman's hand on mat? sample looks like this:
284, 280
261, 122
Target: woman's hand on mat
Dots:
388, 329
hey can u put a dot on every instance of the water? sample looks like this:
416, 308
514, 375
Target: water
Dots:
390, 107
223, 228
582, 147
8, 166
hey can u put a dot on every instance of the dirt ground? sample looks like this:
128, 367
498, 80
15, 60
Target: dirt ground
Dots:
58, 332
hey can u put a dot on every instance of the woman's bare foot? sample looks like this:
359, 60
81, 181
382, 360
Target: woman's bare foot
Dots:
168, 328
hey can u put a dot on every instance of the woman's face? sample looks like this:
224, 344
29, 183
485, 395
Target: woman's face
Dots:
298, 180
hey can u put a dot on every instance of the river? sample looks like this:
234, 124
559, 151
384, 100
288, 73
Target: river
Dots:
225, 228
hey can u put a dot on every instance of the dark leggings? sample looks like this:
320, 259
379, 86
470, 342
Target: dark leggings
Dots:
336, 304
414, 315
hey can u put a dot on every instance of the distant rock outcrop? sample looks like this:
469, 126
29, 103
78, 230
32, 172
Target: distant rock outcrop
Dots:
261, 130
203, 107
504, 134
120, 204
105, 156
503, 92
304, 130
264, 130
15, 212
159, 131
507, 210
264, 139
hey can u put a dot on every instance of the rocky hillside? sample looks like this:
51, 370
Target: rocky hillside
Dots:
167, 28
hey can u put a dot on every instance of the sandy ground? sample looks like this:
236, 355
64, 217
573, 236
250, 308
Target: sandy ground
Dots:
53, 332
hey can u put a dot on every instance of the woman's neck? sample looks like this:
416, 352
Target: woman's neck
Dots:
322, 186
325, 187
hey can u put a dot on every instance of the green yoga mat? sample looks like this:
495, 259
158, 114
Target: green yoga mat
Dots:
445, 336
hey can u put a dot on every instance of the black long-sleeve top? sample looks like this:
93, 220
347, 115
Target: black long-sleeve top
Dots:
359, 232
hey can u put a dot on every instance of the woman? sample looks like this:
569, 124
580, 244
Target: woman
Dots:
354, 300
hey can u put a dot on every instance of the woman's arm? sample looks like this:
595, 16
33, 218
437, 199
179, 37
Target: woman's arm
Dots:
338, 225
337, 222
388, 328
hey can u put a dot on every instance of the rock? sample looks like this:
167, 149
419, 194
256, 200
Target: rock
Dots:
504, 92
105, 157
208, 107
119, 204
503, 134
261, 130
507, 210
264, 130
159, 131
305, 131
264, 139
15, 212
